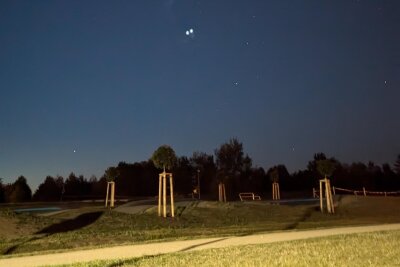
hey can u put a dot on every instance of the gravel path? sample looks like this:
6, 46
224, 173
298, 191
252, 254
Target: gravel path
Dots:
132, 251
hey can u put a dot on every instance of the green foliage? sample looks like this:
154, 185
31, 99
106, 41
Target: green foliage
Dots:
325, 167
111, 173
164, 158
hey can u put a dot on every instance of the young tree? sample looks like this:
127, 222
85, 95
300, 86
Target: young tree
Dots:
111, 174
164, 158
274, 175
325, 167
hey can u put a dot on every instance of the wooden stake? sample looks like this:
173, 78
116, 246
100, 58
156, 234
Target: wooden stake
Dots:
159, 193
224, 192
328, 203
321, 196
328, 196
171, 190
164, 195
221, 192
112, 194
365, 193
108, 186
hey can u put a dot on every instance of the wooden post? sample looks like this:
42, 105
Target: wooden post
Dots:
162, 194
365, 193
108, 186
171, 191
224, 192
333, 189
321, 196
275, 191
159, 193
111, 193
221, 192
328, 196
385, 194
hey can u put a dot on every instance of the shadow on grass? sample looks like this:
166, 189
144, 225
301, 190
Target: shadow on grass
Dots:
64, 226
73, 224
307, 214
202, 244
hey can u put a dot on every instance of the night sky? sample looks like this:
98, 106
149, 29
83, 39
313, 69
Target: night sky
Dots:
87, 84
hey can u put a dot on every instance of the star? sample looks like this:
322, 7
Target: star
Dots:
236, 83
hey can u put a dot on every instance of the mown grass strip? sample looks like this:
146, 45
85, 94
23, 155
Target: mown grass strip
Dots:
367, 249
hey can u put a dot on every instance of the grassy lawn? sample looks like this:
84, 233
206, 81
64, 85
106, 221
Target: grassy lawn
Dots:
97, 226
368, 249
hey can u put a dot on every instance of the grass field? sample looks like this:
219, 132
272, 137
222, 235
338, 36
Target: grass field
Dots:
93, 226
368, 249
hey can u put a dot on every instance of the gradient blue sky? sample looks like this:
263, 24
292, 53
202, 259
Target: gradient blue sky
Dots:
113, 80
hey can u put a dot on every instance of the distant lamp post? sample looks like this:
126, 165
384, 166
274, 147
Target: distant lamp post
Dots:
198, 182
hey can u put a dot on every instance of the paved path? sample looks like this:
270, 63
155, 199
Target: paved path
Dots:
132, 251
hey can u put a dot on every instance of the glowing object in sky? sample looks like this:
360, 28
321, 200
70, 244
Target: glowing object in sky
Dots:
190, 32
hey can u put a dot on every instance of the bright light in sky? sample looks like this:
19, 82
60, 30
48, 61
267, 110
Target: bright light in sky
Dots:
190, 32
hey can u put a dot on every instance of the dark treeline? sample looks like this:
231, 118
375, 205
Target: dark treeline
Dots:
229, 164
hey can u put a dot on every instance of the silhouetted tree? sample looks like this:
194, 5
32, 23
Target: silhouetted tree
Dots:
20, 191
183, 172
230, 162
2, 194
49, 190
72, 186
205, 164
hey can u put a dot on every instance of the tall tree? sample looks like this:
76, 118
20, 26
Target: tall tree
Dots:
49, 190
21, 192
229, 159
204, 166
230, 163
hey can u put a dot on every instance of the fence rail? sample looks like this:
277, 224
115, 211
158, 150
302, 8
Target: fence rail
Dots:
358, 192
